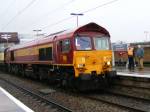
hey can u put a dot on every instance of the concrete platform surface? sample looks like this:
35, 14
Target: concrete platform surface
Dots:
143, 73
8, 103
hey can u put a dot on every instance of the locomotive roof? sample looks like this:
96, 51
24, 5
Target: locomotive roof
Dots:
85, 28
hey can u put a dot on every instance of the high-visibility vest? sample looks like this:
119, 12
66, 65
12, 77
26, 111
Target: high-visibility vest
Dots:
130, 51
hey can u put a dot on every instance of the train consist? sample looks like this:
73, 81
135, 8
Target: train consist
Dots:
81, 58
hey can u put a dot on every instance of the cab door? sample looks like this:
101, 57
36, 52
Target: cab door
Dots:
55, 50
64, 51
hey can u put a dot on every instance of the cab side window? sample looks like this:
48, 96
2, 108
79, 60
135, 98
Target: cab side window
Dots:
65, 46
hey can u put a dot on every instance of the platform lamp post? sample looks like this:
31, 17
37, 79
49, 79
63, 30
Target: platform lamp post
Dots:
146, 34
37, 32
6, 36
77, 14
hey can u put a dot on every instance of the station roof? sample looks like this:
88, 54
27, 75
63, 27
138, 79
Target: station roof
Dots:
143, 44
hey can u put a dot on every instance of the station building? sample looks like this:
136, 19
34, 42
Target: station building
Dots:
146, 46
120, 52
7, 39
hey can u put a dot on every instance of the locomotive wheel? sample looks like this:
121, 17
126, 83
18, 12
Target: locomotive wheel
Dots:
40, 75
22, 71
35, 72
15, 69
12, 69
64, 81
40, 78
19, 70
43, 74
52, 77
9, 69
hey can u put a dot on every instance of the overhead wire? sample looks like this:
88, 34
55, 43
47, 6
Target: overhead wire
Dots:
53, 24
54, 10
101, 5
89, 10
18, 14
7, 8
65, 19
58, 8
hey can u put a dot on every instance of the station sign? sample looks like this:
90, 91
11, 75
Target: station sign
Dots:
119, 47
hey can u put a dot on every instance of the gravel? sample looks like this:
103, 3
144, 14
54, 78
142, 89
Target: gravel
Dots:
26, 99
71, 100
132, 87
129, 102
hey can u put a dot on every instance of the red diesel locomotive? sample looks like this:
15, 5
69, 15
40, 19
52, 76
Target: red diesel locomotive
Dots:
80, 58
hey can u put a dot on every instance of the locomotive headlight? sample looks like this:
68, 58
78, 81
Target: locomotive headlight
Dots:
106, 58
108, 63
80, 62
81, 65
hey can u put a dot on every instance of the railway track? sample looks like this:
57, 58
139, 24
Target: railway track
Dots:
98, 98
136, 89
127, 96
131, 109
136, 83
132, 86
40, 98
135, 80
115, 104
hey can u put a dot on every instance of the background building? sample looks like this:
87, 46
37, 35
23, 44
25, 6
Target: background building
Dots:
146, 46
7, 39
120, 52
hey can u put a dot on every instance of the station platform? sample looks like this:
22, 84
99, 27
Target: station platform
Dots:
8, 103
123, 71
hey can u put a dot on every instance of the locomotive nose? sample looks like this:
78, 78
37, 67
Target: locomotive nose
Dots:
90, 62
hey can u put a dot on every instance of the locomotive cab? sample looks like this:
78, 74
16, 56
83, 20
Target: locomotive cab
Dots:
92, 56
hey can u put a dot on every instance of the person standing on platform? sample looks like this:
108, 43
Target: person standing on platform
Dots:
121, 63
140, 56
130, 52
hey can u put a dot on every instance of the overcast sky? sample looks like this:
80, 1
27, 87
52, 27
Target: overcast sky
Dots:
126, 20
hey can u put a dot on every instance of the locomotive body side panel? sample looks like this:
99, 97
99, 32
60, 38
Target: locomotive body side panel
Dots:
30, 54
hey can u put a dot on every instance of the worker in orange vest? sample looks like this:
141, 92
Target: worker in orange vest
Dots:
130, 52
